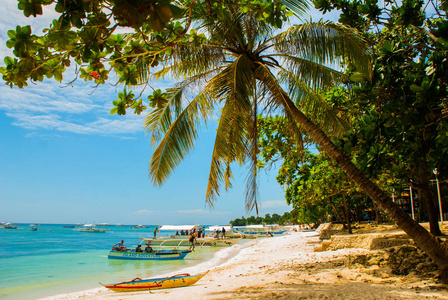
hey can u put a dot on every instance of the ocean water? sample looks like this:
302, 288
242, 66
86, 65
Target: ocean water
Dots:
56, 260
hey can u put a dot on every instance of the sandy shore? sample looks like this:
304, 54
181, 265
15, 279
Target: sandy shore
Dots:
286, 267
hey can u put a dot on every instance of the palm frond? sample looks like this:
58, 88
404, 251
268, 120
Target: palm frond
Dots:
276, 99
316, 75
229, 143
233, 85
298, 7
325, 43
253, 150
312, 103
178, 139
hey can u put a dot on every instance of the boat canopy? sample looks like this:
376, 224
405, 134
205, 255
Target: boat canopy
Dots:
179, 227
262, 226
218, 227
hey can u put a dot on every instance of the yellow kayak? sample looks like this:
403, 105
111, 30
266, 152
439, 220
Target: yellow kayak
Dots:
138, 284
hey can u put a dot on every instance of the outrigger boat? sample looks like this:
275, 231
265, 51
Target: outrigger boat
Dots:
184, 242
10, 226
153, 255
178, 240
139, 226
91, 228
230, 233
261, 230
138, 284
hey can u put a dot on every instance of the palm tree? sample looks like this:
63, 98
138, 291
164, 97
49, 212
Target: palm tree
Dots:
243, 69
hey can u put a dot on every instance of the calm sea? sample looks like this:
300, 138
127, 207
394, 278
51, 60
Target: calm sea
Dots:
56, 260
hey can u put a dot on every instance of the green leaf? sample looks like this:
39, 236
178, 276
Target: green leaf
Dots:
8, 60
12, 34
357, 77
387, 45
415, 88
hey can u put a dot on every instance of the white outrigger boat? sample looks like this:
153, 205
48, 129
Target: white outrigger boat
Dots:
216, 231
261, 230
91, 228
178, 240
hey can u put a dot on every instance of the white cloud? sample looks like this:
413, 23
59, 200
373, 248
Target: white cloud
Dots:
145, 212
274, 204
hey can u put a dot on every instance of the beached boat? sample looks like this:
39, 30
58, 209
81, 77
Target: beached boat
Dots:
138, 284
262, 230
154, 255
183, 241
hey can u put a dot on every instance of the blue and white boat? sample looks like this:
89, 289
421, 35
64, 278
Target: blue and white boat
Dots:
153, 255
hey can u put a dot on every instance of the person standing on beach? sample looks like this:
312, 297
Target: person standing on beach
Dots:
223, 233
192, 241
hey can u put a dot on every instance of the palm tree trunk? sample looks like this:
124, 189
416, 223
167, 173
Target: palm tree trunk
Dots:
425, 240
347, 214
429, 202
336, 211
378, 217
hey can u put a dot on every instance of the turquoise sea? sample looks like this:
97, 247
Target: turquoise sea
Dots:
55, 260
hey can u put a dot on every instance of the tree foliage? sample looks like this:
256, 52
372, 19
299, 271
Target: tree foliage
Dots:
267, 219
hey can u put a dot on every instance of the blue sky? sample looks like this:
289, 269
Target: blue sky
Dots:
65, 159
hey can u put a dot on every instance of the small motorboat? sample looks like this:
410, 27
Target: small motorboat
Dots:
138, 284
10, 226
153, 255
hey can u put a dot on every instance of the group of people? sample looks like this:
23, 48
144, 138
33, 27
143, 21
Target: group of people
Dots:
121, 247
200, 233
217, 233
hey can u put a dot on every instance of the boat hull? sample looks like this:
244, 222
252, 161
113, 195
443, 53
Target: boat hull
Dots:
262, 232
179, 242
156, 255
156, 283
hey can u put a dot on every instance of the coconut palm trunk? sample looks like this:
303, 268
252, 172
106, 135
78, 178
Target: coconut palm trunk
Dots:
424, 239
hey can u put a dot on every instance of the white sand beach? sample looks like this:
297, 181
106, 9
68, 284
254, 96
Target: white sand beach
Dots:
286, 267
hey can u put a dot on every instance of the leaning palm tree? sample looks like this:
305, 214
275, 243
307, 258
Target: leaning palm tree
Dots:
241, 69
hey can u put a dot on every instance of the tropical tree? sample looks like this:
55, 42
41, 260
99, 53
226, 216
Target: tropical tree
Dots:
234, 68
235, 64
403, 131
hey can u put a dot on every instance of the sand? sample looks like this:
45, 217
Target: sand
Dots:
286, 267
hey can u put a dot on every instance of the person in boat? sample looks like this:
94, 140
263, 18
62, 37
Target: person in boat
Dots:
148, 249
192, 240
139, 248
177, 232
119, 246
155, 231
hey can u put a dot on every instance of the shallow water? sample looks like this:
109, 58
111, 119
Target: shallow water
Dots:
55, 260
